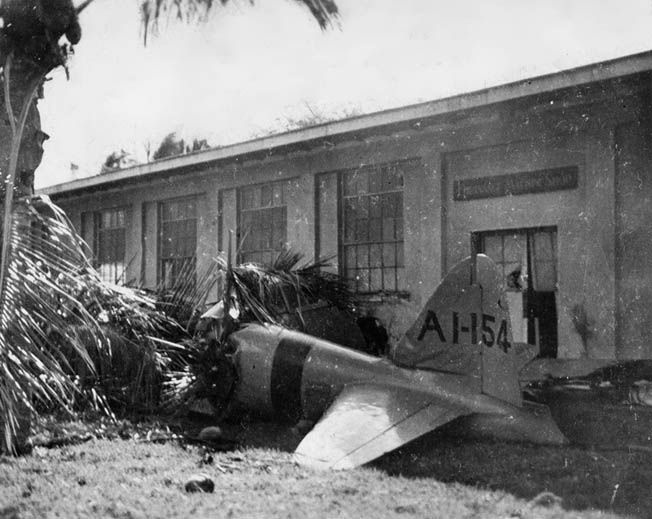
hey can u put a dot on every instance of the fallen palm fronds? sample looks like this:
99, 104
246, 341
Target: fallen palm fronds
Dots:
38, 305
265, 292
68, 339
201, 368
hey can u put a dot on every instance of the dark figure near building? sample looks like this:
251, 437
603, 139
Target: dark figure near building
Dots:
375, 335
514, 280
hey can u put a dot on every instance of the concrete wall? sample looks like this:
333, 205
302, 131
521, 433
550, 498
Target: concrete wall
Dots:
601, 250
142, 219
327, 224
421, 217
633, 240
577, 272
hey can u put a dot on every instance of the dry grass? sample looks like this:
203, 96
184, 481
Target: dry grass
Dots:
433, 477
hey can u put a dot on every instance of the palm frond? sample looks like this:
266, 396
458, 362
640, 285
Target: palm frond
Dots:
265, 293
181, 301
38, 304
67, 337
323, 11
187, 364
314, 281
128, 374
129, 366
201, 368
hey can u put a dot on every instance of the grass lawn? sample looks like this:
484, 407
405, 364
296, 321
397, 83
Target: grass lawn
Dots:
436, 476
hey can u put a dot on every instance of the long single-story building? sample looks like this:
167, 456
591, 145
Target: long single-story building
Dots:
550, 176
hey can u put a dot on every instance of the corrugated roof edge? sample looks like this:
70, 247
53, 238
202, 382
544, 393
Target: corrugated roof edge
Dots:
601, 71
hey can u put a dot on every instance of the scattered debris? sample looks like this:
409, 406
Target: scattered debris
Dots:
640, 393
200, 483
202, 407
547, 499
626, 383
51, 432
160, 436
206, 459
210, 434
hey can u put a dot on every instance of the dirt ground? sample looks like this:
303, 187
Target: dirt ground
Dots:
433, 477
130, 474
581, 477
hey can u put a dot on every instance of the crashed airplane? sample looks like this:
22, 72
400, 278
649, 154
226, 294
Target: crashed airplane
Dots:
458, 359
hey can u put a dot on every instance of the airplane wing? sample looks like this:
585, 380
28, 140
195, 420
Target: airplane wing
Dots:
365, 421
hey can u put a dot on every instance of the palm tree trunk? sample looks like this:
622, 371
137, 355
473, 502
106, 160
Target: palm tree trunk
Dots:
18, 159
30, 41
30, 151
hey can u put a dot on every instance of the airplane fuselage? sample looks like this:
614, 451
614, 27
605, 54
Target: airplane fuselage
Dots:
291, 375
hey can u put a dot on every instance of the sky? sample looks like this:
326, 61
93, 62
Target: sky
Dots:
248, 69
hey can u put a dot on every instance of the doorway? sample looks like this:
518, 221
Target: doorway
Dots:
528, 260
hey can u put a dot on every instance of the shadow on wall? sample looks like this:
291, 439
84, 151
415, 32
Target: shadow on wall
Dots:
584, 326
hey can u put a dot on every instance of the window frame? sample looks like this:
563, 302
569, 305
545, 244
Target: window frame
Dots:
187, 261
478, 245
99, 231
267, 254
398, 268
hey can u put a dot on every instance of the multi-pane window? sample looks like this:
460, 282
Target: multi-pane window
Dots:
372, 228
524, 256
177, 240
109, 244
509, 252
543, 245
262, 222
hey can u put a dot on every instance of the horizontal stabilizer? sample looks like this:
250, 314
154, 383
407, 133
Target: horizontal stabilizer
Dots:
366, 421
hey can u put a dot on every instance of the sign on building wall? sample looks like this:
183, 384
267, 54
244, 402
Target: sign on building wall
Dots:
541, 181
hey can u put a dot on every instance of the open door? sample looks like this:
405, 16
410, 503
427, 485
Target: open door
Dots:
528, 259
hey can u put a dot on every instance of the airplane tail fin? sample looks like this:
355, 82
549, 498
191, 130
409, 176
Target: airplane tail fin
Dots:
465, 328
